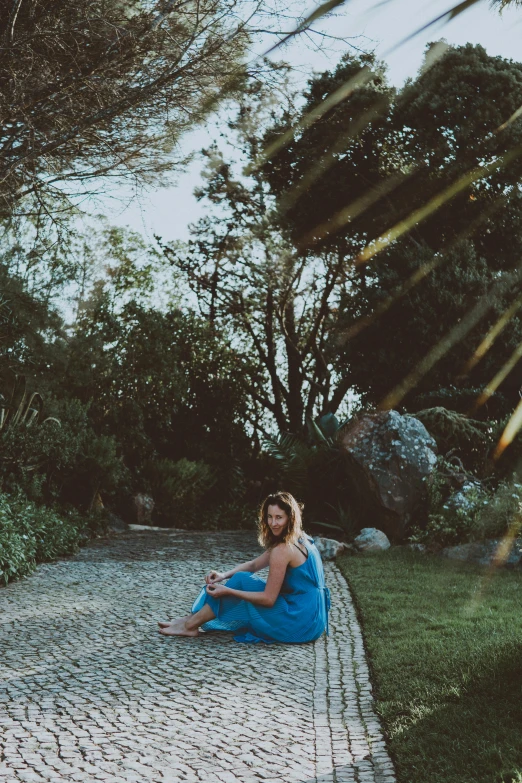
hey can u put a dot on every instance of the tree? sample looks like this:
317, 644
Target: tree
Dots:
27, 325
377, 353
250, 284
450, 131
104, 89
47, 276
161, 382
141, 394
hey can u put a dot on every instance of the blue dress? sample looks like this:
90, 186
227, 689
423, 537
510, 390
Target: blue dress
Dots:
300, 613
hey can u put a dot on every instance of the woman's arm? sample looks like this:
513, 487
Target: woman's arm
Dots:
251, 565
279, 557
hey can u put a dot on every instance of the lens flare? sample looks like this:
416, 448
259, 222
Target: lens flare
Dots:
510, 431
491, 336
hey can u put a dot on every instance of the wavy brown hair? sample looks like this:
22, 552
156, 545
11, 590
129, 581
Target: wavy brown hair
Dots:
292, 532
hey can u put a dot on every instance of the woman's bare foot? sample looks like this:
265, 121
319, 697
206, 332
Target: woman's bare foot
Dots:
171, 622
178, 628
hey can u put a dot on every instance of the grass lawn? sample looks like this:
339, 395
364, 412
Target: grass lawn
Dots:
445, 648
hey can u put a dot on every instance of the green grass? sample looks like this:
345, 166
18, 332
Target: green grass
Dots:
445, 648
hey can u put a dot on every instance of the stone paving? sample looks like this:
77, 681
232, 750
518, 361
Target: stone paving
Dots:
89, 691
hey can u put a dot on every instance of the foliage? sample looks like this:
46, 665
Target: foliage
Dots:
462, 399
192, 494
380, 157
438, 126
63, 459
120, 266
273, 257
27, 324
385, 351
314, 470
133, 381
95, 89
250, 282
230, 515
468, 439
165, 383
443, 640
451, 524
296, 459
30, 533
469, 442
455, 501
179, 489
503, 512
460, 509
152, 396
346, 146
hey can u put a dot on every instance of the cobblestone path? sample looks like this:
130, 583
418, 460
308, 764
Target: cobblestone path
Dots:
89, 691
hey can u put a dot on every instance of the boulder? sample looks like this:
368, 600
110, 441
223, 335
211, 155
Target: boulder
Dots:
390, 456
371, 540
495, 550
142, 506
329, 548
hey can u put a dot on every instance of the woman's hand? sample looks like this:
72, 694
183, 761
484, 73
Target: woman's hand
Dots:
217, 591
214, 576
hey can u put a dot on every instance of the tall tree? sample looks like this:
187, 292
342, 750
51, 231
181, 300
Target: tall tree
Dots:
250, 284
427, 181
103, 88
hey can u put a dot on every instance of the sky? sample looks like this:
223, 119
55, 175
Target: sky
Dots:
372, 25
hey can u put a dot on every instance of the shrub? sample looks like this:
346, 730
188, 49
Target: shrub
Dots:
502, 512
480, 513
451, 521
62, 459
179, 489
316, 472
454, 432
451, 524
30, 534
232, 515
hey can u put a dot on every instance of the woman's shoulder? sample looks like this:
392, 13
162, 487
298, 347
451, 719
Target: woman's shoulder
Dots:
282, 546
281, 551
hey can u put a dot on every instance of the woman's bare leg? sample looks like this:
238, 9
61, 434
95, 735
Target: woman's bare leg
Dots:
205, 615
169, 622
188, 626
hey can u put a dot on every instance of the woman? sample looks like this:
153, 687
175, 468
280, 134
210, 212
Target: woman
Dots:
291, 606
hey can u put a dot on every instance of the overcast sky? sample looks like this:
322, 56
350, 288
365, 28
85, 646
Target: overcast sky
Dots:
379, 25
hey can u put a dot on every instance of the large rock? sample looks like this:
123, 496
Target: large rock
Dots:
371, 540
142, 506
329, 548
390, 457
494, 551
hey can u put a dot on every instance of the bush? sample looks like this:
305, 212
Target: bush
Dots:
503, 512
450, 522
232, 515
316, 472
30, 534
62, 459
179, 489
480, 514
468, 439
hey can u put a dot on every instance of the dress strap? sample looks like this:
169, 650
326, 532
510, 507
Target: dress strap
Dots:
305, 553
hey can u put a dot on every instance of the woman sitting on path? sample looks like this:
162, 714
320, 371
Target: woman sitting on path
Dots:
291, 606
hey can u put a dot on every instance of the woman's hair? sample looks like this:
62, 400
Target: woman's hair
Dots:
292, 532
